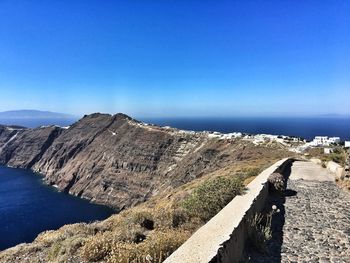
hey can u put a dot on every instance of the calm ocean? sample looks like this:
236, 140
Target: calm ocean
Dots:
28, 207
302, 127
307, 128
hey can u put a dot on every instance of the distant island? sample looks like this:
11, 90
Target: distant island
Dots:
36, 118
34, 114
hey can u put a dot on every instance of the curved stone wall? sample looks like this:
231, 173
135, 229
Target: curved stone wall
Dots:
222, 239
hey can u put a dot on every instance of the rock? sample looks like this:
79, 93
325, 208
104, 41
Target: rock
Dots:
119, 161
24, 147
276, 182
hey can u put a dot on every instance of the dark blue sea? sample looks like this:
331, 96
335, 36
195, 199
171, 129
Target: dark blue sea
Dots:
307, 128
28, 207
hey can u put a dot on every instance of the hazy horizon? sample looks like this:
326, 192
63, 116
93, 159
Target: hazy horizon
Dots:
305, 127
27, 114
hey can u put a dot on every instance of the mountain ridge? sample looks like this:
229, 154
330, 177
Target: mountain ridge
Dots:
116, 160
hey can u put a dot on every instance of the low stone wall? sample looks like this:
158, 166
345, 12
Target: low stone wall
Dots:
335, 168
222, 239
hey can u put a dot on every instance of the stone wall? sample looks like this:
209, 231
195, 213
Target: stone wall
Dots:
223, 238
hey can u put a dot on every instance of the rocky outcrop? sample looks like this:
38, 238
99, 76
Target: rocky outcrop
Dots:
117, 160
20, 147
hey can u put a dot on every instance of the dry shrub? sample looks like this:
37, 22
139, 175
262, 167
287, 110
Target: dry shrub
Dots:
97, 247
156, 248
67, 231
139, 216
260, 231
61, 251
169, 215
179, 217
49, 237
338, 156
159, 245
163, 215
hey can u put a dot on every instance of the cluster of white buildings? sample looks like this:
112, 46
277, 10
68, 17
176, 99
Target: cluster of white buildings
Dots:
255, 138
324, 141
220, 135
263, 138
285, 140
301, 145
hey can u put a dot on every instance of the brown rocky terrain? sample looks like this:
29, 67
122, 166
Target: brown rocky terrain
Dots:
116, 160
123, 163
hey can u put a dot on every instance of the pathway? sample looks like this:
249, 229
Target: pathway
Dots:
314, 223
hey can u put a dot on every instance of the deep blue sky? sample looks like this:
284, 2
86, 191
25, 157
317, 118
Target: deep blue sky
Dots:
176, 58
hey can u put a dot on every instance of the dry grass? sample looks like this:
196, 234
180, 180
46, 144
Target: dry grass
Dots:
344, 184
152, 230
338, 155
261, 230
157, 247
133, 240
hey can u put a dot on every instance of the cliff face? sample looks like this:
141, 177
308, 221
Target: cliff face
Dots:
116, 160
20, 147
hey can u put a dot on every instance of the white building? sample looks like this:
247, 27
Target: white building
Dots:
324, 140
334, 139
347, 143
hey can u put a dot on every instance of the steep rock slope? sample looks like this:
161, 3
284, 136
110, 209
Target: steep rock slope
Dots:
116, 160
21, 147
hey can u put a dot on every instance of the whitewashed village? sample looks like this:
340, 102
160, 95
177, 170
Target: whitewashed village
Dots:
331, 152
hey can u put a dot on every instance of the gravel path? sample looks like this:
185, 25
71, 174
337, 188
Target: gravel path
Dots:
314, 223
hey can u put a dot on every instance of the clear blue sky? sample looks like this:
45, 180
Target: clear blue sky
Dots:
176, 58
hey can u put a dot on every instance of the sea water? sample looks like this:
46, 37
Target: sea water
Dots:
28, 207
306, 128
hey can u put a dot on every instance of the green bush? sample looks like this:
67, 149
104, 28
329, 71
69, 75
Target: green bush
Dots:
211, 196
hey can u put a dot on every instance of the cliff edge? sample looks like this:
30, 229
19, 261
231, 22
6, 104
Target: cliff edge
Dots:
116, 160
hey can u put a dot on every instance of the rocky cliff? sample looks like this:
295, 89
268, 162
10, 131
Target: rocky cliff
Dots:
116, 160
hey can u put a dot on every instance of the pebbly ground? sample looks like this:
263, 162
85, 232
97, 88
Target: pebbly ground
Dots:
314, 222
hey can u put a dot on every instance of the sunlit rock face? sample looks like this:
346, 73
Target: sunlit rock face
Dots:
116, 160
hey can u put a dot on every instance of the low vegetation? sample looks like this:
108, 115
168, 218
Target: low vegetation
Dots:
338, 155
261, 230
150, 234
345, 184
211, 196
150, 231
